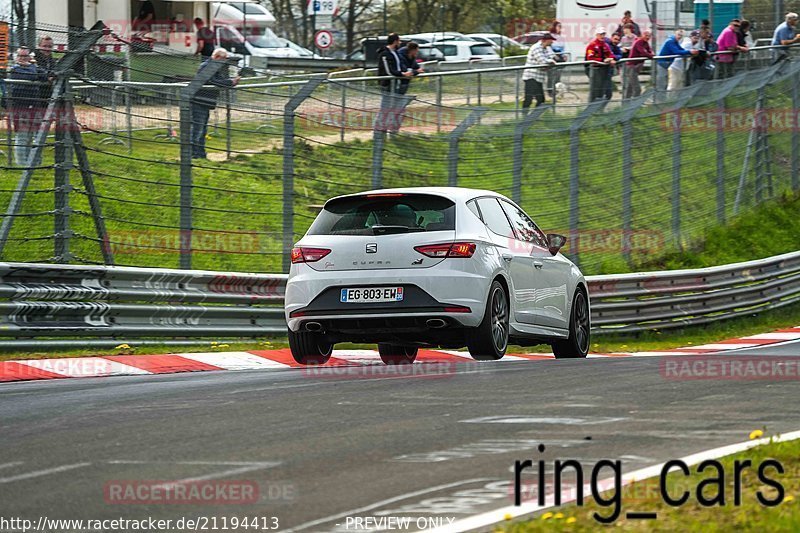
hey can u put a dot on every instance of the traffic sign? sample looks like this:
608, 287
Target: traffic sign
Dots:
322, 7
323, 39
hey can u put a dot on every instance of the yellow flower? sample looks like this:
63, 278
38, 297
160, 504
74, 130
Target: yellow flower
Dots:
547, 516
507, 516
571, 520
756, 434
558, 516
122, 347
788, 498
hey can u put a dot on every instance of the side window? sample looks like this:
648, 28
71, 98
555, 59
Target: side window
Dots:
473, 206
523, 225
494, 218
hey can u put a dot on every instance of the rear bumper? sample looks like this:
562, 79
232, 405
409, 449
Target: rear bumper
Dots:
312, 296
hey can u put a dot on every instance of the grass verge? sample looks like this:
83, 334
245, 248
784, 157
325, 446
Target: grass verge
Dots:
644, 496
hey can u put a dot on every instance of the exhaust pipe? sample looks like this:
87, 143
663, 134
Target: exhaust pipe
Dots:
435, 323
313, 326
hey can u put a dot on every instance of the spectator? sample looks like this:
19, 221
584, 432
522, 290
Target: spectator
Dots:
695, 41
144, 20
705, 24
671, 78
728, 44
707, 60
205, 39
744, 36
601, 59
627, 19
408, 58
785, 35
539, 54
613, 44
23, 101
627, 39
631, 87
44, 55
205, 100
390, 64
559, 46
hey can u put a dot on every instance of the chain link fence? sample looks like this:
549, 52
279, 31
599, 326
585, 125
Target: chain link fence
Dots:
102, 169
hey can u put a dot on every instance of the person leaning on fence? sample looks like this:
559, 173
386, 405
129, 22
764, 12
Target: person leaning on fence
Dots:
613, 44
631, 86
785, 35
390, 64
729, 48
539, 54
205, 100
601, 60
408, 59
672, 74
24, 100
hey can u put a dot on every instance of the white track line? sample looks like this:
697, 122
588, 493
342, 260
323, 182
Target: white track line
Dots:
38, 473
499, 515
234, 360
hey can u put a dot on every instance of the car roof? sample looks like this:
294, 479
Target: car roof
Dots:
460, 194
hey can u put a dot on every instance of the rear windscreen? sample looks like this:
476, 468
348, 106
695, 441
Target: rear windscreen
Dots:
381, 214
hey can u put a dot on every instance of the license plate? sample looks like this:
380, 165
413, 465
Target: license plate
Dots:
364, 295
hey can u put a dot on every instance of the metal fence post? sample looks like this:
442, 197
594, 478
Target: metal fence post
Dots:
517, 81
480, 79
228, 93
129, 118
439, 104
343, 118
721, 161
627, 188
455, 135
519, 139
187, 93
378, 143
574, 174
387, 121
676, 179
63, 164
288, 167
795, 133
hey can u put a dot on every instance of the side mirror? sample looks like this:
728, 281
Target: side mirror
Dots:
555, 242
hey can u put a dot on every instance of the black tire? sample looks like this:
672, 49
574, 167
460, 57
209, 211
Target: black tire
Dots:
392, 354
309, 348
488, 341
577, 345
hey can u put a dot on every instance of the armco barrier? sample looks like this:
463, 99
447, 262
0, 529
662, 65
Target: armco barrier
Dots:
48, 305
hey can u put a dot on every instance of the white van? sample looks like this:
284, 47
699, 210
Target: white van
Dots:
239, 15
265, 45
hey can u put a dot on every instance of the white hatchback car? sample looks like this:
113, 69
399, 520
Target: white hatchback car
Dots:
430, 266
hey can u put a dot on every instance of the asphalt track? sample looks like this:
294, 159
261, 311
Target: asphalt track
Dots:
325, 447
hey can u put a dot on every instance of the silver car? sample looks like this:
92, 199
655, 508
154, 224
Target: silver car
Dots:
432, 266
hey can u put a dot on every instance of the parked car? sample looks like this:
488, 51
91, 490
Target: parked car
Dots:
531, 38
432, 37
432, 266
266, 45
498, 41
463, 50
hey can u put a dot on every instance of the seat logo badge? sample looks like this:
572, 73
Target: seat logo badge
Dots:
417, 261
372, 248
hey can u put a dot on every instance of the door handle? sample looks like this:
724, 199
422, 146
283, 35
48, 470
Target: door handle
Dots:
537, 264
507, 258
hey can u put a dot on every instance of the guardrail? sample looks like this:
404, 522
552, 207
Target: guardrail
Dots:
62, 305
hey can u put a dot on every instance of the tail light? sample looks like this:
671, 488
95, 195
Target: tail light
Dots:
454, 249
301, 254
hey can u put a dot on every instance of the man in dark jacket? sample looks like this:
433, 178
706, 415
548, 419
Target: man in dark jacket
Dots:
23, 101
205, 100
390, 64
408, 59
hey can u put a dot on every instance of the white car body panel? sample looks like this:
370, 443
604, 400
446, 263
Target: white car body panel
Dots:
540, 297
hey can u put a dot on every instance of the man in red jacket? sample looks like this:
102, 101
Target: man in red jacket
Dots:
602, 58
631, 87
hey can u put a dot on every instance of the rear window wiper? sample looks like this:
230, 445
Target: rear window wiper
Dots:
384, 230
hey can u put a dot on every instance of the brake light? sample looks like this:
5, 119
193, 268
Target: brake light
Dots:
455, 249
385, 195
301, 254
457, 309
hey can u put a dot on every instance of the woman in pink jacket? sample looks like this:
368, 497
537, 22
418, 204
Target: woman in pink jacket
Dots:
728, 44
